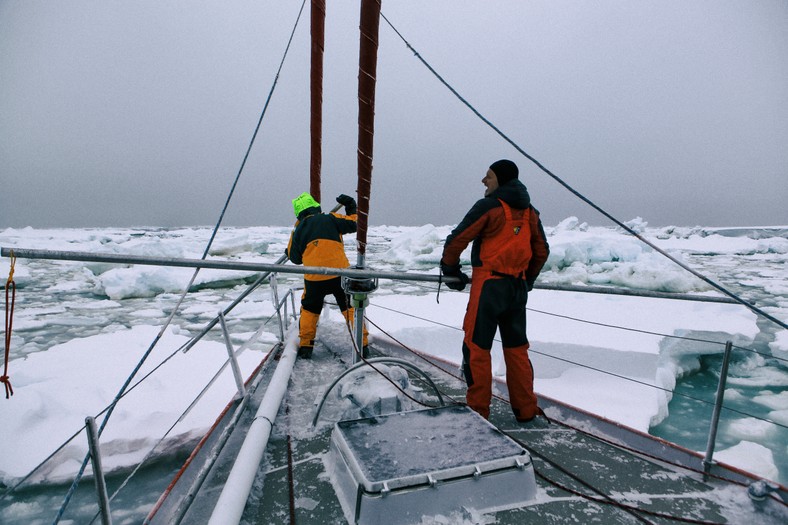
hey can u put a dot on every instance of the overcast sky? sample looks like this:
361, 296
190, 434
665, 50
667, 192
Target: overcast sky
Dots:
139, 113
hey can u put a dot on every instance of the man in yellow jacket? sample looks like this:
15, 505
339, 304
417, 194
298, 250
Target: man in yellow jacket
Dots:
316, 240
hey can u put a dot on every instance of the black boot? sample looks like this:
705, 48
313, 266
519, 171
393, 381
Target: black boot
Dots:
305, 352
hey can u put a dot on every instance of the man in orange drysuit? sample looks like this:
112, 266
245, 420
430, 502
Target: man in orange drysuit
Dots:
316, 240
508, 252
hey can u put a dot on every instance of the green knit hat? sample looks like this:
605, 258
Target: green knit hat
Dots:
303, 202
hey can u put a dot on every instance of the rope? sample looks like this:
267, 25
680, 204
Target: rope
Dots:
380, 372
582, 197
74, 485
606, 499
76, 434
290, 479
9, 323
657, 458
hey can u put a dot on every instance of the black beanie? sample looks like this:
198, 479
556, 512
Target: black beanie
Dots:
505, 170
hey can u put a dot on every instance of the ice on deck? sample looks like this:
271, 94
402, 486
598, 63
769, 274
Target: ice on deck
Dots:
387, 469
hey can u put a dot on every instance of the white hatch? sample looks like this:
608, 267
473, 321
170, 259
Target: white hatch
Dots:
393, 469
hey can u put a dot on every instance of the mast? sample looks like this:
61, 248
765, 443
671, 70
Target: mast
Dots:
318, 22
367, 75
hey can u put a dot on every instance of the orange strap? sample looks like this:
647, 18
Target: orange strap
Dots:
9, 322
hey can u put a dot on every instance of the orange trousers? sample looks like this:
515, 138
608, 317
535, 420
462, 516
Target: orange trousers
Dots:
497, 303
312, 299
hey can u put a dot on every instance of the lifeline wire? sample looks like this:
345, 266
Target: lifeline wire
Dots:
631, 380
608, 499
579, 195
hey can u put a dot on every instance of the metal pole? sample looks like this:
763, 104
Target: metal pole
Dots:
359, 301
350, 272
275, 300
235, 492
98, 472
239, 382
715, 416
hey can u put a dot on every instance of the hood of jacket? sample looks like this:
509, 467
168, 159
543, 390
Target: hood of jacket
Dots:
514, 193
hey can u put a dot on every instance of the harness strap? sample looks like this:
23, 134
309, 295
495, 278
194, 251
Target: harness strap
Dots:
515, 224
520, 275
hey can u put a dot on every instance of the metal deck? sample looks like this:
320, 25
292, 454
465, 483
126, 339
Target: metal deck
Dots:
580, 478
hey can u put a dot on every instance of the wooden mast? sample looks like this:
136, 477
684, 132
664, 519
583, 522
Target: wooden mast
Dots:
318, 22
367, 75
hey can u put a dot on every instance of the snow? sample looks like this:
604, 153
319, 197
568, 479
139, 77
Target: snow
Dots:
55, 390
57, 387
759, 458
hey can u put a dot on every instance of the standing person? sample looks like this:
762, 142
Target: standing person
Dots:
508, 252
316, 240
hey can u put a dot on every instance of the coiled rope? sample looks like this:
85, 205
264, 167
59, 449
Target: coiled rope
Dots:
579, 195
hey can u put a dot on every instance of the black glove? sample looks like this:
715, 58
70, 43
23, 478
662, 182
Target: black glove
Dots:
348, 202
530, 284
454, 271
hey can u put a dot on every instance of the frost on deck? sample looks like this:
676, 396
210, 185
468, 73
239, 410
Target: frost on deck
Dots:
390, 469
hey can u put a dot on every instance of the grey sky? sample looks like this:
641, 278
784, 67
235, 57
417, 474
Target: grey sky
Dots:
139, 113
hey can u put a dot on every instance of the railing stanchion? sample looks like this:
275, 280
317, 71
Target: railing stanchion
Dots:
98, 472
285, 316
239, 382
292, 303
275, 297
715, 417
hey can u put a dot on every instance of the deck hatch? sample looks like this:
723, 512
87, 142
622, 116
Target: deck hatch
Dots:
398, 467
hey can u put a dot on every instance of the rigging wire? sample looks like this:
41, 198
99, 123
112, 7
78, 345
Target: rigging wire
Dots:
579, 195
586, 433
80, 474
599, 370
128, 391
431, 288
606, 325
606, 499
382, 374
180, 418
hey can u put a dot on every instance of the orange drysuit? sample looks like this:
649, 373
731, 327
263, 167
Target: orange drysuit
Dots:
508, 252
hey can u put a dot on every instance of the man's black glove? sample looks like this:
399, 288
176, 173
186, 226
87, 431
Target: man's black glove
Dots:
530, 284
454, 271
348, 202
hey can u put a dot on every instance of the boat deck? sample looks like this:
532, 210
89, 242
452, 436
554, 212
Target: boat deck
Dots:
580, 478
